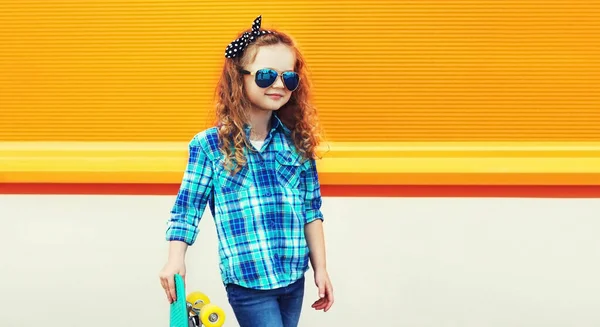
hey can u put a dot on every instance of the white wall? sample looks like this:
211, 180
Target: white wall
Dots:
393, 262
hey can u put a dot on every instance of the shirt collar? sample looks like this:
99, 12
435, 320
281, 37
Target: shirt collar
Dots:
276, 125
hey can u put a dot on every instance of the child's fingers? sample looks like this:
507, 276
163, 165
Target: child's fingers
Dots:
169, 296
171, 289
320, 304
329, 297
328, 305
322, 290
165, 285
326, 297
320, 301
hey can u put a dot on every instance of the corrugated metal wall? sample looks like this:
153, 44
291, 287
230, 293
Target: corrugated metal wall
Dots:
383, 70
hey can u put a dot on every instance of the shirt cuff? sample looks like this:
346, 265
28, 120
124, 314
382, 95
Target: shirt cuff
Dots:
181, 231
313, 214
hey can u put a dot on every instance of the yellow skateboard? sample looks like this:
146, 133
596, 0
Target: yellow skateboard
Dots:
197, 311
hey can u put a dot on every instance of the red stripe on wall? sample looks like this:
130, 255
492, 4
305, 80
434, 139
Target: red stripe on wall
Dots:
542, 191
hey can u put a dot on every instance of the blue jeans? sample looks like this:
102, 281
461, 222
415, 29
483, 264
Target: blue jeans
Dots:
279, 307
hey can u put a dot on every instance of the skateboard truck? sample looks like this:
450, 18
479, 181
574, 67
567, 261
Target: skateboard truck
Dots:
203, 313
193, 320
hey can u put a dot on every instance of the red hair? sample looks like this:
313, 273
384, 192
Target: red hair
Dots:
232, 106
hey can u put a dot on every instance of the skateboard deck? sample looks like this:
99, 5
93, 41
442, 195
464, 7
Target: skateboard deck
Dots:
195, 310
179, 312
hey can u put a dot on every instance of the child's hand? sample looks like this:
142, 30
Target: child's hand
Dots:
323, 283
167, 277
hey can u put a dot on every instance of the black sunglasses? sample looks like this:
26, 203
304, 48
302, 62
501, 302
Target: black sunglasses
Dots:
265, 77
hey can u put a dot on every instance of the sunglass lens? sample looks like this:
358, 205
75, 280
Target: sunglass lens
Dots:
265, 77
291, 80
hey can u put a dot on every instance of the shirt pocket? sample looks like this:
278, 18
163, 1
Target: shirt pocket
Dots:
230, 183
288, 169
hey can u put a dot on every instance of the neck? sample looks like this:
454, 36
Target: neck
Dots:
260, 121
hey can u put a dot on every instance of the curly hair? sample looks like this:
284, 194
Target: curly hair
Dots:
232, 106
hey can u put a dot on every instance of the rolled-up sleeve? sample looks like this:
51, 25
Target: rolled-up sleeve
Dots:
312, 195
192, 197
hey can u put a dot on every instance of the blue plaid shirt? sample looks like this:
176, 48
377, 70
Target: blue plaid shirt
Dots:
259, 213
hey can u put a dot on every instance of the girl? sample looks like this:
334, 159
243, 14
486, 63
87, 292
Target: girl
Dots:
256, 171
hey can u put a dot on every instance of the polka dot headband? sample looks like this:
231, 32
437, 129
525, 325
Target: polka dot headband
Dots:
237, 47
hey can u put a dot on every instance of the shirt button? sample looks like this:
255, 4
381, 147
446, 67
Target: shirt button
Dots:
268, 194
302, 173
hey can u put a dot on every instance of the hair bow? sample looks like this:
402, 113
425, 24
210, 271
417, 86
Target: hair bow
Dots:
238, 46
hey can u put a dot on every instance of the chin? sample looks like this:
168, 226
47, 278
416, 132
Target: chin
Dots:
272, 107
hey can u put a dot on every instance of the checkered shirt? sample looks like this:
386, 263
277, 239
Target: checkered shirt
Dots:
259, 213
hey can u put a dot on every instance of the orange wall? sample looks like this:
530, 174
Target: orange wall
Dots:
110, 70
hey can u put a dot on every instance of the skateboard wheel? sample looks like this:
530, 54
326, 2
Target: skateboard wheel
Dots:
212, 315
197, 300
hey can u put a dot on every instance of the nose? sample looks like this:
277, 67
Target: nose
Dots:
278, 83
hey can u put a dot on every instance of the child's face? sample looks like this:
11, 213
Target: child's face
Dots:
280, 58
